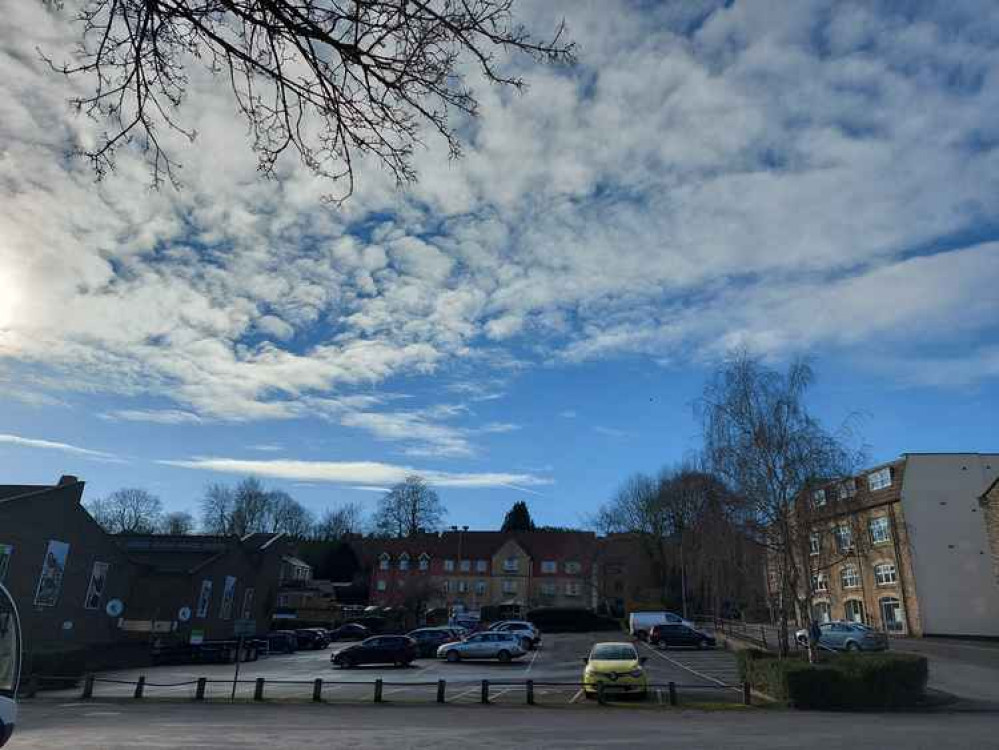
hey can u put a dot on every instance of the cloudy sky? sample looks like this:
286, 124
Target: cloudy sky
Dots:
535, 320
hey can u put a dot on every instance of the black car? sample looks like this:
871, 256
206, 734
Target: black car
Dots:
678, 634
282, 642
400, 650
352, 631
428, 640
309, 638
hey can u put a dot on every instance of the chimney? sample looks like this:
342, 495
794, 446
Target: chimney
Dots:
67, 479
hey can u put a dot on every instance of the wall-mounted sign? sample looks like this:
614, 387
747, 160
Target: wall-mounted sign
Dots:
184, 614
197, 636
53, 568
114, 608
67, 625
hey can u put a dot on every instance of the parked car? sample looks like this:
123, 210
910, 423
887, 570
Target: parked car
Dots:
616, 666
282, 642
640, 624
486, 645
677, 634
529, 634
309, 638
352, 631
400, 650
428, 640
843, 635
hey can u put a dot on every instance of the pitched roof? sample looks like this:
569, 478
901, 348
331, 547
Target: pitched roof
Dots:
482, 545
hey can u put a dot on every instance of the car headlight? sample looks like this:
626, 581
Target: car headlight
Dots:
636, 672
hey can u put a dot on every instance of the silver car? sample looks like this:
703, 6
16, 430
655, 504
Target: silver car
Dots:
843, 635
488, 645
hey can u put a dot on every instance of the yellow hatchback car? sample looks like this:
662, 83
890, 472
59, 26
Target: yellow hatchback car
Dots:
618, 668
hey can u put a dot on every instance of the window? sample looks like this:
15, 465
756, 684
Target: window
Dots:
813, 544
205, 598
847, 489
885, 574
6, 552
449, 565
480, 587
465, 566
462, 587
404, 562
572, 589
849, 577
511, 564
854, 609
844, 538
573, 568
95, 590
879, 530
821, 611
819, 498
878, 480
891, 614
820, 582
481, 566
247, 611
383, 561
549, 566
382, 585
424, 561
446, 587
509, 587
548, 589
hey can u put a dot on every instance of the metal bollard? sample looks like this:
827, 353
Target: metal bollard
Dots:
378, 690
140, 686
317, 690
530, 692
441, 687
601, 695
199, 692
746, 694
485, 691
88, 687
672, 693
258, 689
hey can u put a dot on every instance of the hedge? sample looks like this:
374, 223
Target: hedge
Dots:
883, 680
570, 620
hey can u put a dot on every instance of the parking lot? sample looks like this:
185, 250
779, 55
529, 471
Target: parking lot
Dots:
555, 669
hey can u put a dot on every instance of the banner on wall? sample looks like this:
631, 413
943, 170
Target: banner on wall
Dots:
98, 581
204, 598
53, 570
228, 594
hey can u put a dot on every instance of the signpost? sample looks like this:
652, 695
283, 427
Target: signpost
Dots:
241, 628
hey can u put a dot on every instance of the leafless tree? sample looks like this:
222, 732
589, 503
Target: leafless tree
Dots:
763, 442
289, 516
178, 523
339, 522
216, 508
131, 510
409, 508
326, 79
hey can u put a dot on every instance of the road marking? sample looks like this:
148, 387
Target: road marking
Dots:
533, 659
577, 696
690, 669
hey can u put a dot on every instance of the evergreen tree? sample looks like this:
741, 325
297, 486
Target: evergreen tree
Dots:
518, 518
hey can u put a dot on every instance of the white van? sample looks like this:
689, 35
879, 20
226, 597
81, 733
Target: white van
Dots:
640, 623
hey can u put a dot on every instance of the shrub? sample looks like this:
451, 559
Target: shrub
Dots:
842, 681
570, 620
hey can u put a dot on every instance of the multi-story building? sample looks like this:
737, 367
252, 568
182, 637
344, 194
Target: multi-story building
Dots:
904, 546
472, 569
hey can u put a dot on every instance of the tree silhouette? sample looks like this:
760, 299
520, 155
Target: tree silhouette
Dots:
518, 518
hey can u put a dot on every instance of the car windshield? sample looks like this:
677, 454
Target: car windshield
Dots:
613, 652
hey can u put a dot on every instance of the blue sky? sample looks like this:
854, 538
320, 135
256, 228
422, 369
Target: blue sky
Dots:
535, 320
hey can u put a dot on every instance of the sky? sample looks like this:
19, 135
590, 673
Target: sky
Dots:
535, 320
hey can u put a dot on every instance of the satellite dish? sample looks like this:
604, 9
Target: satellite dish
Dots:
114, 608
184, 614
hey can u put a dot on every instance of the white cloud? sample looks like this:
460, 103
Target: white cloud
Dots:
266, 447
24, 442
612, 432
157, 416
364, 473
568, 414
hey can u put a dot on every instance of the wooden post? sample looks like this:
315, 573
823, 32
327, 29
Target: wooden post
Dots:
199, 693
88, 687
140, 686
485, 691
530, 692
441, 687
317, 690
672, 693
746, 694
258, 689
378, 690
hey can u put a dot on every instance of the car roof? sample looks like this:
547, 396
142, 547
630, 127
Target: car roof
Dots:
613, 643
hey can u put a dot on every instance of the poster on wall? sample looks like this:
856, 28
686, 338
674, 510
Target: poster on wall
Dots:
228, 594
53, 569
247, 604
98, 580
6, 552
204, 598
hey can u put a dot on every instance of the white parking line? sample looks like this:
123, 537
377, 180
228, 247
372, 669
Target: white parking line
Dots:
533, 659
693, 671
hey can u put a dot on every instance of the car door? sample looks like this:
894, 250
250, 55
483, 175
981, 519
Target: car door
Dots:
476, 647
835, 636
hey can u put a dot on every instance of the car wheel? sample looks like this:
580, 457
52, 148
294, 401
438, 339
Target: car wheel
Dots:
503, 656
453, 656
851, 646
701, 645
